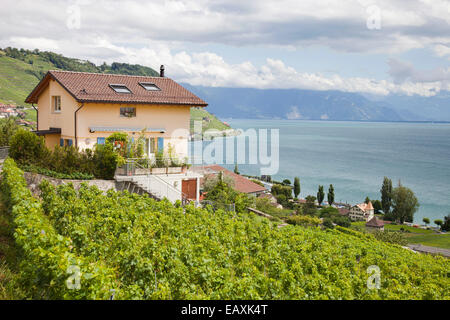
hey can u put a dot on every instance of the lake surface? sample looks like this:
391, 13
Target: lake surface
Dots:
355, 156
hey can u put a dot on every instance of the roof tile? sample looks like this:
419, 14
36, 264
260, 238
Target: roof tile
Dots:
95, 87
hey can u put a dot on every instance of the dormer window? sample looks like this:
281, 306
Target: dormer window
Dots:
120, 88
149, 86
56, 103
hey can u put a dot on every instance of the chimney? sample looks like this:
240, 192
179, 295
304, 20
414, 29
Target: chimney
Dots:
161, 71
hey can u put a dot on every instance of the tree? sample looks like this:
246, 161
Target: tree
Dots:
8, 128
426, 221
446, 225
223, 196
287, 182
386, 195
320, 195
296, 187
367, 200
26, 147
330, 195
404, 204
278, 189
439, 223
377, 206
310, 206
236, 169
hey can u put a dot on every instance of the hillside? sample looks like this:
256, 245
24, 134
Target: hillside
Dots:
156, 250
21, 70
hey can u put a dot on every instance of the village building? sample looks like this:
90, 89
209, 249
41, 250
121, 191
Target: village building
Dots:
362, 212
375, 224
240, 183
10, 110
82, 109
272, 199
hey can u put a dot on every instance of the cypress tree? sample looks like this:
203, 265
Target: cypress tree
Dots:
296, 187
386, 195
331, 195
320, 195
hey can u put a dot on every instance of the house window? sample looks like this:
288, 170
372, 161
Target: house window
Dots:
120, 88
128, 112
100, 140
65, 142
56, 102
149, 86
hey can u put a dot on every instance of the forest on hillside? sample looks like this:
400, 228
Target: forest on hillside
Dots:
71, 64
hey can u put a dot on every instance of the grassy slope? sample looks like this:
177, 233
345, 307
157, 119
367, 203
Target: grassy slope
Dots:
432, 240
418, 235
18, 78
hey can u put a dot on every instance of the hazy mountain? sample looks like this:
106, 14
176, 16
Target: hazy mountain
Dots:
293, 104
321, 105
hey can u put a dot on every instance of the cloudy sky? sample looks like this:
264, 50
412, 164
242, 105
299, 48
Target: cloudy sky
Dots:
369, 46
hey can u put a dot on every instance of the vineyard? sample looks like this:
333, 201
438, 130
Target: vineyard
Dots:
133, 247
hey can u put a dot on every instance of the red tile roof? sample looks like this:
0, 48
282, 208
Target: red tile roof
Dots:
374, 222
241, 183
95, 87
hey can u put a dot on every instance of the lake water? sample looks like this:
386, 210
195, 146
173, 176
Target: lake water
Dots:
355, 156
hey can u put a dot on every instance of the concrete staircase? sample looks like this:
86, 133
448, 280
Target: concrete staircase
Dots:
157, 187
133, 187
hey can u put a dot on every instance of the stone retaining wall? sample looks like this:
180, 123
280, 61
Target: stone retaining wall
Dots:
34, 179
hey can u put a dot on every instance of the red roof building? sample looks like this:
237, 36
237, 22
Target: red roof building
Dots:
241, 183
375, 224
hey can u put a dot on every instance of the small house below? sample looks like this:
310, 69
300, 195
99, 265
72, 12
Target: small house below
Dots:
375, 224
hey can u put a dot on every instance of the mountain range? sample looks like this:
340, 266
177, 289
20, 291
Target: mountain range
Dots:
321, 105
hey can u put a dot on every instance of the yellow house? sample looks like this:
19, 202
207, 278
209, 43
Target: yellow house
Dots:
82, 109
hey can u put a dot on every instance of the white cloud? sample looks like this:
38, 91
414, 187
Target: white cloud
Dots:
442, 50
158, 32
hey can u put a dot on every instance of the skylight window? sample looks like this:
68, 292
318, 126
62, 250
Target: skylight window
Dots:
149, 86
120, 88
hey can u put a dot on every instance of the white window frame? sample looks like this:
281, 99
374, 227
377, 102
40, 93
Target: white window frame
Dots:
56, 104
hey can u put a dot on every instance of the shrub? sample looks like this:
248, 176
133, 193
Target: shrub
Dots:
391, 237
55, 174
328, 212
105, 160
303, 220
341, 221
278, 189
26, 147
8, 127
328, 223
